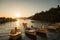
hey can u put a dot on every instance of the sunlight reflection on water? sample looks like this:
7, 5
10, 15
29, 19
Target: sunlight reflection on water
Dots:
17, 23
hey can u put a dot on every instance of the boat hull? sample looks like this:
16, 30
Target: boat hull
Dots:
41, 34
15, 36
31, 35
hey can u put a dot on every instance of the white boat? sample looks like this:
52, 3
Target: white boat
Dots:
15, 34
30, 31
42, 31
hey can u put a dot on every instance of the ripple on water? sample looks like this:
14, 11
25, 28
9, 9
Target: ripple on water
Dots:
5, 28
4, 37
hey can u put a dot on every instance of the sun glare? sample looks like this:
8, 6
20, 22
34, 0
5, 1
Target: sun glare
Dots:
18, 15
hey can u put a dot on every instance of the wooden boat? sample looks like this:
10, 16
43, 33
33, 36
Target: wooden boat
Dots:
56, 26
15, 34
52, 28
31, 33
42, 31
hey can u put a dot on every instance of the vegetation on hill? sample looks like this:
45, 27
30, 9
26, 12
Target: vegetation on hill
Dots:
52, 15
4, 20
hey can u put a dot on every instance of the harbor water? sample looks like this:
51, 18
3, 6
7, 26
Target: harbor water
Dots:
6, 28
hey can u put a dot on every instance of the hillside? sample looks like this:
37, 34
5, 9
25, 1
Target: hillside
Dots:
52, 15
5, 20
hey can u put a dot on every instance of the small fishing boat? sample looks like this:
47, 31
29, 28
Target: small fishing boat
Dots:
15, 34
31, 33
55, 26
42, 31
52, 28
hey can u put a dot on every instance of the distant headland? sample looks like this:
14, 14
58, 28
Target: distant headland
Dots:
52, 15
4, 20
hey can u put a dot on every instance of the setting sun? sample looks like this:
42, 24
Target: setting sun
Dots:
18, 15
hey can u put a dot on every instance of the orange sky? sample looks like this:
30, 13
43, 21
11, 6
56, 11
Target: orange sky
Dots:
25, 8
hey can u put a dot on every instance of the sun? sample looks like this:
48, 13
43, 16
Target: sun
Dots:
18, 15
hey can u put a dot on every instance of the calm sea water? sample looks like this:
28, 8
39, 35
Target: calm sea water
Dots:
6, 28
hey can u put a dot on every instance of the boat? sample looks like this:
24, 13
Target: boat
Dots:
31, 33
15, 34
52, 28
42, 31
24, 24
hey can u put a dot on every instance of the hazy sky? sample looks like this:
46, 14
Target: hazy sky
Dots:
9, 8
